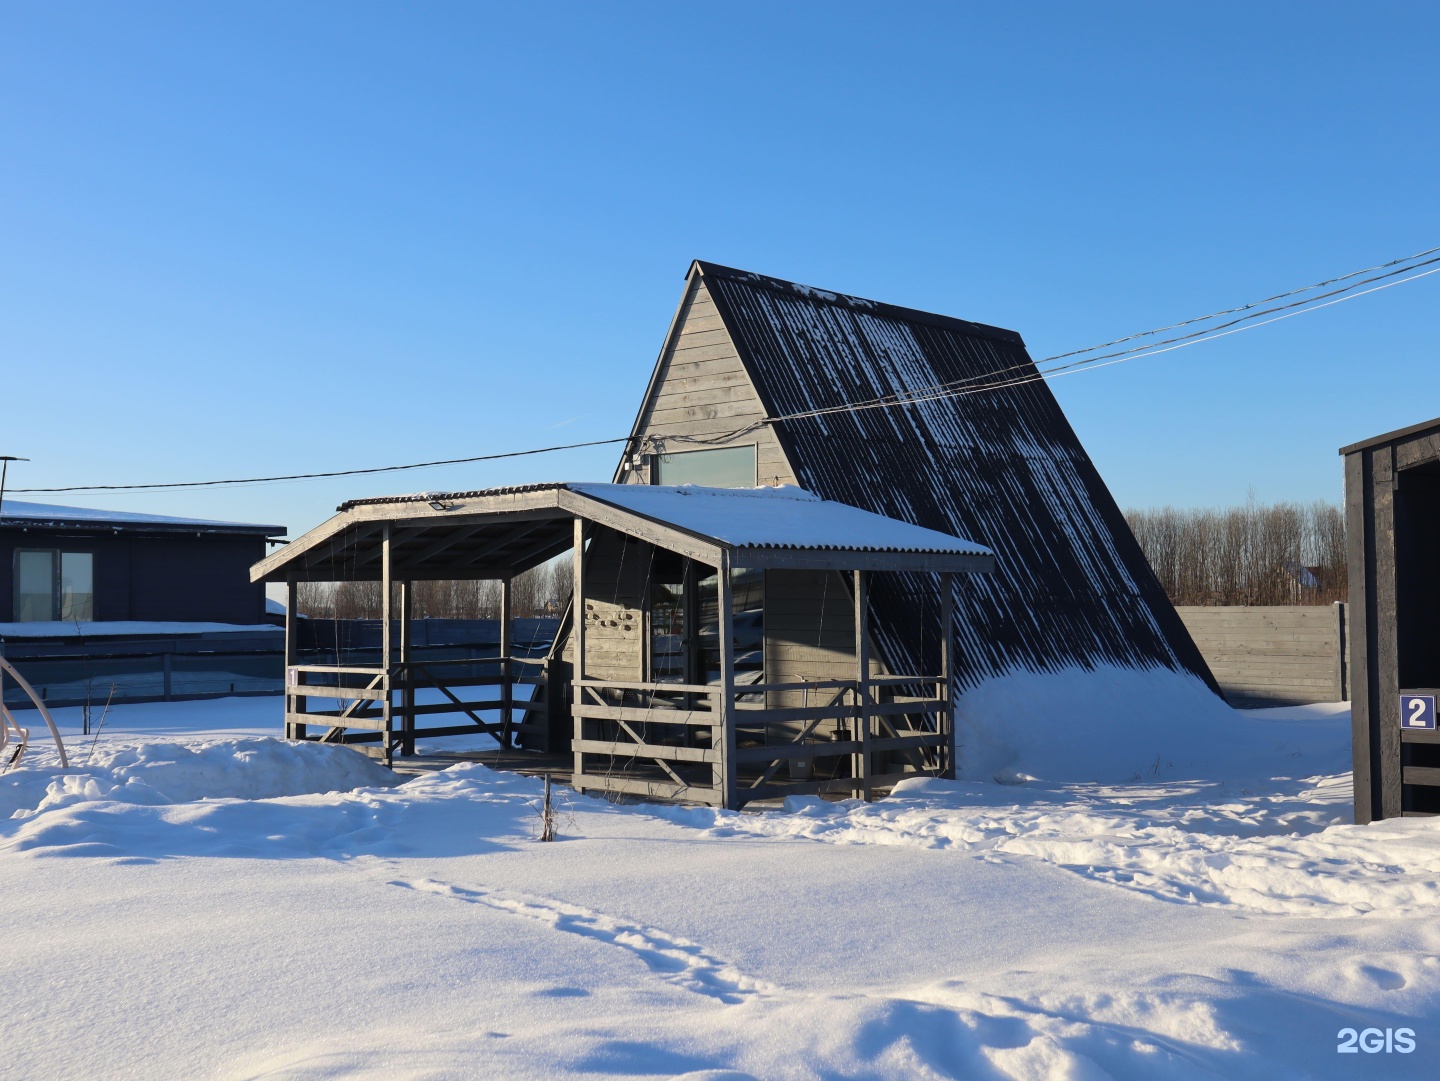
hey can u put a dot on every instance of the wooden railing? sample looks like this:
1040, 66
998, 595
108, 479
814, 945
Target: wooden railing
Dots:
672, 741
378, 705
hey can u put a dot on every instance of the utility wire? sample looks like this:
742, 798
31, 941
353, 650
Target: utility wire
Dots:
927, 393
968, 385
316, 476
937, 392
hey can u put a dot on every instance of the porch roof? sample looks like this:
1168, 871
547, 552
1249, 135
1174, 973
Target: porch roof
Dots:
499, 532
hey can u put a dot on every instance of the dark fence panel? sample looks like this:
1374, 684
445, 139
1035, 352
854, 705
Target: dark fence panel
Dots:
74, 671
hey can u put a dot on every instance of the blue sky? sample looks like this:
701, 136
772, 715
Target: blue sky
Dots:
241, 239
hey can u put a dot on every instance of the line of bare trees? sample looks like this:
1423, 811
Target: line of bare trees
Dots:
545, 590
1278, 553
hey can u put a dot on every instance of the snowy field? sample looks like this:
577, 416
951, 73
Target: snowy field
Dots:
193, 898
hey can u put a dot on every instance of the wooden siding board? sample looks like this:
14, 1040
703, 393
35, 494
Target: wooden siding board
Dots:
1385, 732
1358, 545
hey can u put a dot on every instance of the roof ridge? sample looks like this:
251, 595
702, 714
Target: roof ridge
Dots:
846, 300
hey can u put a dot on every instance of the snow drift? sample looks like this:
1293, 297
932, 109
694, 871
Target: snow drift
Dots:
1111, 725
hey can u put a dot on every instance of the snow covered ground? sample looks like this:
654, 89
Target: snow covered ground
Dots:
195, 899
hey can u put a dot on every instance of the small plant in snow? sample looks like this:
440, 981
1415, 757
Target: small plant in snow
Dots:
101, 724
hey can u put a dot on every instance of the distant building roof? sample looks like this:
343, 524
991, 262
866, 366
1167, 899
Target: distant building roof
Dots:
14, 513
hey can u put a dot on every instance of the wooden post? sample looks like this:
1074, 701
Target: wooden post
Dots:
947, 674
507, 684
577, 606
296, 703
1342, 690
724, 775
407, 682
863, 766
386, 615
690, 627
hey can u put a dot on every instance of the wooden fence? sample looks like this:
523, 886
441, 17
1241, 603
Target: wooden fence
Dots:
1273, 656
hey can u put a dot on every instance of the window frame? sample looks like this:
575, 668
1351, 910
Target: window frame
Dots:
658, 461
57, 583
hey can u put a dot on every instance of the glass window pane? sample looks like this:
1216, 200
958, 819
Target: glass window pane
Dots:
77, 586
34, 586
725, 467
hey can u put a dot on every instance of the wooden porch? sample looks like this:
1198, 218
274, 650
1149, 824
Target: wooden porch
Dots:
641, 716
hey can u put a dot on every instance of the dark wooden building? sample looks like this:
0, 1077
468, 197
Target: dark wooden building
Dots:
74, 564
757, 383
1392, 522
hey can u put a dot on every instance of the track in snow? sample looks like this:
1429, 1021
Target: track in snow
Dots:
676, 960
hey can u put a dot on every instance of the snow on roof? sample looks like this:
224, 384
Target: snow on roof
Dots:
13, 510
781, 517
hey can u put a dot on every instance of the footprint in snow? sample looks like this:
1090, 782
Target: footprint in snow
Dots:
676, 960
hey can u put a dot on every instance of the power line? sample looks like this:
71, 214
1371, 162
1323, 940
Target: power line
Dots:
967, 386
317, 476
937, 392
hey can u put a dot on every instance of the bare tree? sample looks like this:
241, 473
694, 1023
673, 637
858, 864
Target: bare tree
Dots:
1281, 553
543, 590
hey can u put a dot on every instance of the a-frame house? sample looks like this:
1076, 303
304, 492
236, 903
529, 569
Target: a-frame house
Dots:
739, 396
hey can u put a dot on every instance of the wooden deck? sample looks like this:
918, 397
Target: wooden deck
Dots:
558, 767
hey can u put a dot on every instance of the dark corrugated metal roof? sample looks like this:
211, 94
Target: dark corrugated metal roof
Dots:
1003, 468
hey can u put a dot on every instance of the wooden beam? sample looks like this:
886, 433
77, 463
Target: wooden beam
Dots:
577, 634
947, 672
407, 693
294, 704
387, 659
862, 684
505, 680
725, 770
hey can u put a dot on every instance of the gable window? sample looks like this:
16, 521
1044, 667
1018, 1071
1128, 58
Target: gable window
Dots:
51, 585
722, 467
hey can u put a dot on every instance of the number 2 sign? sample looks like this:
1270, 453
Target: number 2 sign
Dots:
1417, 711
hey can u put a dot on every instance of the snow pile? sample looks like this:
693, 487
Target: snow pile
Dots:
1205, 844
220, 799
1114, 725
1162, 928
159, 773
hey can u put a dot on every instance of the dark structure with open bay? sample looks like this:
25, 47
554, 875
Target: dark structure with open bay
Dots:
674, 681
1392, 525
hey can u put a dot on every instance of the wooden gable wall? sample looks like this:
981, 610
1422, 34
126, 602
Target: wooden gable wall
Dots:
701, 389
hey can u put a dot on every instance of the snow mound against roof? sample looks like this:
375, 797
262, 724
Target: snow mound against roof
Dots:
1112, 724
157, 773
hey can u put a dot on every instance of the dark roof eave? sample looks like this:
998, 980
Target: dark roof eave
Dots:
97, 525
1391, 437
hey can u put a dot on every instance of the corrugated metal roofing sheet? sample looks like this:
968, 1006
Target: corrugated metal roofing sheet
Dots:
785, 517
1002, 467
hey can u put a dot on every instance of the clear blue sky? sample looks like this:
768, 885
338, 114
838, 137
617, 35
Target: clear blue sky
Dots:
240, 239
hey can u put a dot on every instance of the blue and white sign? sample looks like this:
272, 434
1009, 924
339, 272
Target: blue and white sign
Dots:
1417, 711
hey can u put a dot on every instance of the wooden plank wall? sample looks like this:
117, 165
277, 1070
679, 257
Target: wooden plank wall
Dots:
809, 632
1269, 656
703, 390
616, 577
